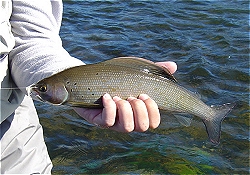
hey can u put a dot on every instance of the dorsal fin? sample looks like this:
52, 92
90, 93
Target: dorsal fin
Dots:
141, 64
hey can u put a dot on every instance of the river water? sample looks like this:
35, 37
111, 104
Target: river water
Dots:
209, 40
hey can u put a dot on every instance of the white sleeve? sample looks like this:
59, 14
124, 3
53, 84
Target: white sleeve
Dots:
38, 52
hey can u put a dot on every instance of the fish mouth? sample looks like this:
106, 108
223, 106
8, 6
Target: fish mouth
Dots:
34, 93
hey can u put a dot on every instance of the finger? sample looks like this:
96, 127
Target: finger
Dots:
171, 66
107, 117
124, 118
152, 109
140, 114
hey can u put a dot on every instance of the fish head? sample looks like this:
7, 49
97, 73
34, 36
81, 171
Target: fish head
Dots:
55, 93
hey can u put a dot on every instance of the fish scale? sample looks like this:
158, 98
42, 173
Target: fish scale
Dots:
84, 86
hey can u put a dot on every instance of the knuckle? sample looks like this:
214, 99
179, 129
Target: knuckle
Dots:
142, 128
154, 125
137, 102
128, 128
109, 103
108, 123
122, 103
149, 101
154, 119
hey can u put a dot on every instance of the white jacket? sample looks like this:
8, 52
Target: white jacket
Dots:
30, 50
38, 51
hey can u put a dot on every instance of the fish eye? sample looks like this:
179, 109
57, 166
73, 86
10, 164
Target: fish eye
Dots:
43, 88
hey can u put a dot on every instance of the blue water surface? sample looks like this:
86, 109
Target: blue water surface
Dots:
209, 40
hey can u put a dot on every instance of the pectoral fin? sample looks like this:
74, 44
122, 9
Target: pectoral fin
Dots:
84, 105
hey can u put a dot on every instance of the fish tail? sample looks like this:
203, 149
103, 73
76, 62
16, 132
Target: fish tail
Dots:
213, 125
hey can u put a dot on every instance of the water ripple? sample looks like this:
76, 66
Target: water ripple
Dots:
209, 40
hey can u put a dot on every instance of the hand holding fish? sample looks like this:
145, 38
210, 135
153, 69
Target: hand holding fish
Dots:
133, 114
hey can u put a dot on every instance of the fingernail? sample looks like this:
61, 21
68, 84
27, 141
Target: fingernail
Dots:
143, 97
116, 98
131, 98
107, 96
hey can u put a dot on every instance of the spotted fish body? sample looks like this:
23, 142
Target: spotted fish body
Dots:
83, 86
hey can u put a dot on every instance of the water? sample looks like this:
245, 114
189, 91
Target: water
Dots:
209, 40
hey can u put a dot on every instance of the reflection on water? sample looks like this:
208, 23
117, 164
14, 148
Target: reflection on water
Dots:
210, 43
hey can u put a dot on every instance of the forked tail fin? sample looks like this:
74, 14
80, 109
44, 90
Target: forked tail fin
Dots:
213, 126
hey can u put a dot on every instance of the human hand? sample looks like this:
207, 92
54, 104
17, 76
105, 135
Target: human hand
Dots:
133, 114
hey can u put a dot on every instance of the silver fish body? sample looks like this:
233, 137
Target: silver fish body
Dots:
83, 86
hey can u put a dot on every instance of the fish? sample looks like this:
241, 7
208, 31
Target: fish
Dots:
84, 86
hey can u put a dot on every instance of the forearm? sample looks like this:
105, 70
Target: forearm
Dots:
38, 51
